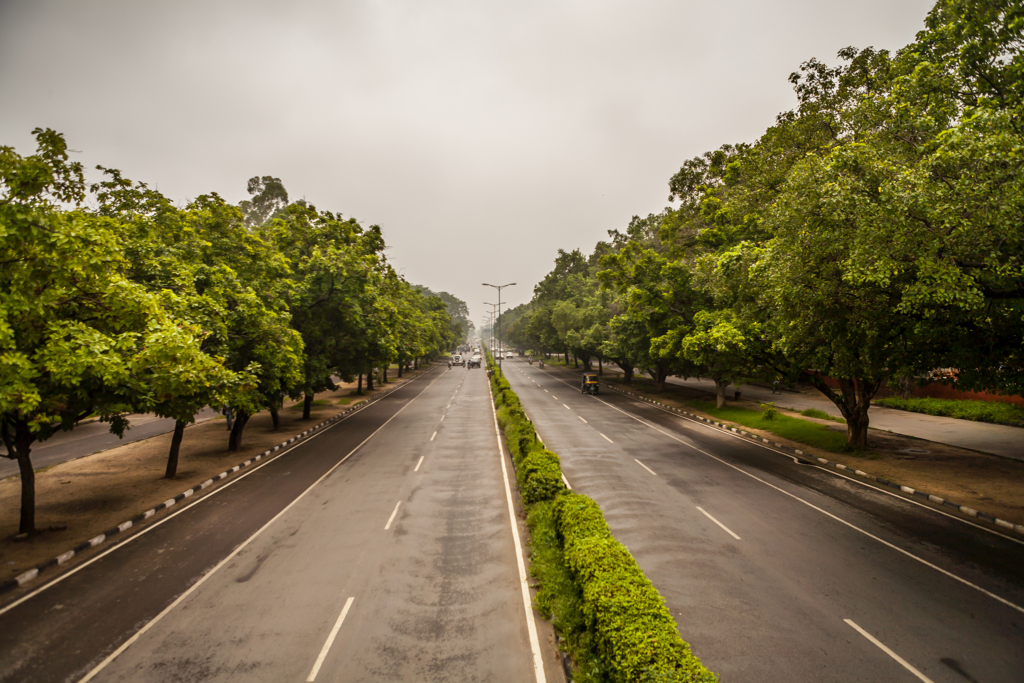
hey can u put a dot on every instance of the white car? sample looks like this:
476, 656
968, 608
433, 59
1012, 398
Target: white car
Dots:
508, 356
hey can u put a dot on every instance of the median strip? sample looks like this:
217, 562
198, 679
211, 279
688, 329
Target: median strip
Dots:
609, 616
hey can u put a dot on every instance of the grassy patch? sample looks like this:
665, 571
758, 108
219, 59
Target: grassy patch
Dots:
317, 402
791, 428
979, 411
822, 415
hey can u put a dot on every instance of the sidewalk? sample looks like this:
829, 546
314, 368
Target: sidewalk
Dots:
995, 439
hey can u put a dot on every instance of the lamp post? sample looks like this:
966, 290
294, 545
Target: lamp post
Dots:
494, 317
489, 322
499, 288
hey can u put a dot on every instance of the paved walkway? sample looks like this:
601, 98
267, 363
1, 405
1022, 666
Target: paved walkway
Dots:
978, 436
92, 437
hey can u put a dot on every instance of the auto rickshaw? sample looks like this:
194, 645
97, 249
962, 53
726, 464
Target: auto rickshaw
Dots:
590, 383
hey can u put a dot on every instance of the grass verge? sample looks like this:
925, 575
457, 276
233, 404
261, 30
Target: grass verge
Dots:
978, 411
612, 620
787, 427
822, 415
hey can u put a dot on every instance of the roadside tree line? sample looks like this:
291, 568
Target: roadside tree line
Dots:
114, 301
872, 234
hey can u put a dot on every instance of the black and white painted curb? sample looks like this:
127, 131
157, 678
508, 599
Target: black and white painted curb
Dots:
170, 502
970, 512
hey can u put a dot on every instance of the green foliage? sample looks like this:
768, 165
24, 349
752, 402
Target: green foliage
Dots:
633, 632
612, 619
822, 415
979, 411
787, 427
131, 304
769, 411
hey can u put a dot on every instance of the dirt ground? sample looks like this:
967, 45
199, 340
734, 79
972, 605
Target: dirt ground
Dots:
987, 483
82, 498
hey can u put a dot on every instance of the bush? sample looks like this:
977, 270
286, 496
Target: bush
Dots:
612, 619
770, 412
633, 632
822, 415
979, 411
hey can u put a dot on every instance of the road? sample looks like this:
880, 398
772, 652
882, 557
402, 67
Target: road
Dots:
382, 549
762, 560
93, 437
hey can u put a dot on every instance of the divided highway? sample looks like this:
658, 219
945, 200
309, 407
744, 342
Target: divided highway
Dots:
382, 549
780, 571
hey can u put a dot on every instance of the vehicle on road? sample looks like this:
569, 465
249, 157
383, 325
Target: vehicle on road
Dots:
509, 356
458, 360
474, 362
590, 383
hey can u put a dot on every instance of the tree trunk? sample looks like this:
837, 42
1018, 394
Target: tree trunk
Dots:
172, 457
416, 363
359, 386
720, 385
627, 371
369, 380
307, 405
235, 440
275, 418
23, 439
384, 375
662, 376
853, 403
600, 366
400, 364
587, 365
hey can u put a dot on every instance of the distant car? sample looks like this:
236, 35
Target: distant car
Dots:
458, 360
475, 361
508, 356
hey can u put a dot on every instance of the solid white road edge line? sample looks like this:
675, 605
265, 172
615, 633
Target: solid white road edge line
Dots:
644, 466
330, 641
824, 512
181, 598
126, 541
727, 529
531, 626
419, 463
392, 517
889, 652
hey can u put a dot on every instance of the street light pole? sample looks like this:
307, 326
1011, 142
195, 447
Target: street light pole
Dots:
494, 316
499, 288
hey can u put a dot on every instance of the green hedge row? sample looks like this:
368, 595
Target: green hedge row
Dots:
612, 620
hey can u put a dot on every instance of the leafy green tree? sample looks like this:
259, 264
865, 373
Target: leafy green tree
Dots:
268, 197
76, 336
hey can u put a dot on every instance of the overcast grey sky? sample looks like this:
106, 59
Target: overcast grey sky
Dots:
482, 136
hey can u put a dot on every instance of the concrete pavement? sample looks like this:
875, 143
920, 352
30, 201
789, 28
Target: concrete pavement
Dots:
381, 549
775, 570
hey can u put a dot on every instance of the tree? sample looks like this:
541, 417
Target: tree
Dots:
76, 336
268, 197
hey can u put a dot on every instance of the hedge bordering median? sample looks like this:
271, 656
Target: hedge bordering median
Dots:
613, 621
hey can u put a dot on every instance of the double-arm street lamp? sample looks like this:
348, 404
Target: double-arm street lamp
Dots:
499, 288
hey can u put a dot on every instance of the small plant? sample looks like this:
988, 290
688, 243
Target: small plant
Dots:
770, 412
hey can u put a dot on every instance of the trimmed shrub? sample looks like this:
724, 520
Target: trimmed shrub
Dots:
612, 619
540, 477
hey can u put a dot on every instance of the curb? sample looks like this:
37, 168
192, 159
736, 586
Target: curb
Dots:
124, 526
970, 512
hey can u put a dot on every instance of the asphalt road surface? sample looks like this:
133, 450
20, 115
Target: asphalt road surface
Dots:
382, 549
93, 437
777, 571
